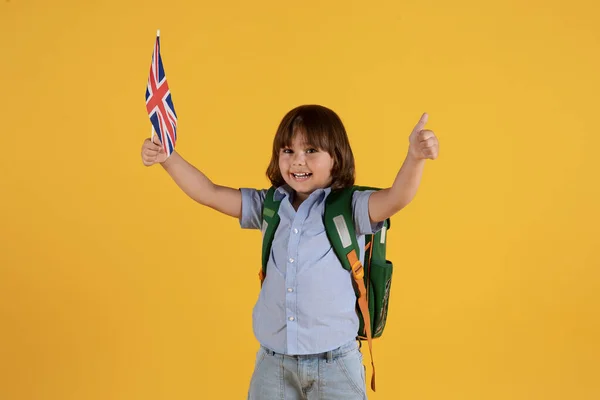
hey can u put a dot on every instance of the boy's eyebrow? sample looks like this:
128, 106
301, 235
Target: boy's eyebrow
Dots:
284, 146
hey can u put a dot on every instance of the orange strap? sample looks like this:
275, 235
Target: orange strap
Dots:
358, 273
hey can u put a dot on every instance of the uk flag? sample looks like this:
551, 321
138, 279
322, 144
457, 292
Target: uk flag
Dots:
159, 103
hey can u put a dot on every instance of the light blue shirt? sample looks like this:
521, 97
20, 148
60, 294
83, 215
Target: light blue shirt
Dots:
307, 301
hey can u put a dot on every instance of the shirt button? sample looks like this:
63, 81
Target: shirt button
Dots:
295, 230
291, 260
290, 290
291, 318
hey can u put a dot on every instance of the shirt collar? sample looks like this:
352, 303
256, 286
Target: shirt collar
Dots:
285, 190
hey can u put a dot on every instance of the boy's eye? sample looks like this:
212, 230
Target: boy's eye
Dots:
290, 151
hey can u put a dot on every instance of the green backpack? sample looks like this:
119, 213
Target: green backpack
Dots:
372, 283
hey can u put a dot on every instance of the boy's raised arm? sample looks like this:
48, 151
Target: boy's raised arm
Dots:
423, 145
193, 182
201, 189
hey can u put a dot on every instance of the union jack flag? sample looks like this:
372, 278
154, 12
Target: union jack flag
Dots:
159, 103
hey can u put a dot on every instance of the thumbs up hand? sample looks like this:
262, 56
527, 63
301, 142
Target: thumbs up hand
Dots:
423, 144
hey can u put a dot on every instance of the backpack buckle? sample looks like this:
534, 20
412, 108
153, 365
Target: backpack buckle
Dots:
355, 265
358, 271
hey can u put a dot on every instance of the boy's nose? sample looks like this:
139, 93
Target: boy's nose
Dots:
298, 159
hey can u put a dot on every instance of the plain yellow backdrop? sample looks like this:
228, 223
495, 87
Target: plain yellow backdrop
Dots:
114, 285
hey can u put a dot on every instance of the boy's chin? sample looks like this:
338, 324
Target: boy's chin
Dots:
307, 186
302, 189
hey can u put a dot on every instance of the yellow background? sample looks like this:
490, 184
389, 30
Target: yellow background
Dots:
114, 285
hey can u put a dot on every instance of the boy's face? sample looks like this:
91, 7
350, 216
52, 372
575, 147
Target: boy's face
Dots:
304, 168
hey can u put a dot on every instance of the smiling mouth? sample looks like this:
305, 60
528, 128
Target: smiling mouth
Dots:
302, 176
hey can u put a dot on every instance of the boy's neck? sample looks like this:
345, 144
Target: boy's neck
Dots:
297, 200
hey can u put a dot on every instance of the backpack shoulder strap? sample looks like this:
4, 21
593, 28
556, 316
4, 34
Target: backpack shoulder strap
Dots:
270, 221
339, 225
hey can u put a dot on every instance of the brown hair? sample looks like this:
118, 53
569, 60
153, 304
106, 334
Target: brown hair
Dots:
324, 130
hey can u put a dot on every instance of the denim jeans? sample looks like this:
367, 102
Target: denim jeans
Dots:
334, 375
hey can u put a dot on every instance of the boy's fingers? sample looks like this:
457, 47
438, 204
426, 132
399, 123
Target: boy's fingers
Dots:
148, 145
429, 143
153, 149
425, 134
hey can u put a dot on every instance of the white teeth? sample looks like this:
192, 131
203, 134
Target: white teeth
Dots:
303, 175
